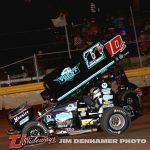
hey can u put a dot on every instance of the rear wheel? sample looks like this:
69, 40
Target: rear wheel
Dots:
131, 103
115, 120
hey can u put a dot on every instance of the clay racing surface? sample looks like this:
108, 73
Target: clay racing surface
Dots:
136, 138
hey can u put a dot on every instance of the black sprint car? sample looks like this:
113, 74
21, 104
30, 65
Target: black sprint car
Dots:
89, 93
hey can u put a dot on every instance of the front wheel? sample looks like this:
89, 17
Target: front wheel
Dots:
115, 121
35, 128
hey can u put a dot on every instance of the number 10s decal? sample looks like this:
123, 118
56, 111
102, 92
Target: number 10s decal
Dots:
115, 45
95, 54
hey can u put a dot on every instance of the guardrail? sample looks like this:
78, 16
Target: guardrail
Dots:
39, 86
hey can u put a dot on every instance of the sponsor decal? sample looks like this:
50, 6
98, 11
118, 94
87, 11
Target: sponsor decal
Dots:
71, 107
104, 85
24, 120
115, 45
68, 74
94, 55
108, 105
48, 118
16, 119
64, 116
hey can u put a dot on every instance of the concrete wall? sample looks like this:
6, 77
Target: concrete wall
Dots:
141, 81
14, 100
34, 97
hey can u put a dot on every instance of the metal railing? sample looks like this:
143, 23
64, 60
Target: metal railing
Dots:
34, 68
62, 47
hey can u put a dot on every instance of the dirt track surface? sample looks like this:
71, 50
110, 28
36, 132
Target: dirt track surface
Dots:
138, 132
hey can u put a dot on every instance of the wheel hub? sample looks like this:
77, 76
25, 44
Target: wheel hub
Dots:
116, 121
35, 132
130, 100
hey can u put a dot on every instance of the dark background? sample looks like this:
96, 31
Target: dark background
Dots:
22, 28
24, 23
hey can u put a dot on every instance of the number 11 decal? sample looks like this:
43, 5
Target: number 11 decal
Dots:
94, 55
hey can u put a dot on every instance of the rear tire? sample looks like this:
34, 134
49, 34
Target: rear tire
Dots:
131, 103
115, 121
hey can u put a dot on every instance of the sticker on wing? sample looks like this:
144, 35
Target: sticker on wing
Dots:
94, 55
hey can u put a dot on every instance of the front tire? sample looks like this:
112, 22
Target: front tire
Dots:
115, 121
35, 128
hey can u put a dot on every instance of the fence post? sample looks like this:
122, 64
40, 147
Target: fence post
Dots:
9, 81
68, 44
135, 34
36, 67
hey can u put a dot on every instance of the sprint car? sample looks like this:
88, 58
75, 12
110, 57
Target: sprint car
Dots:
88, 94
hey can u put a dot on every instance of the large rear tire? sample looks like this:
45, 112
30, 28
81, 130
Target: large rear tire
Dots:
131, 103
115, 121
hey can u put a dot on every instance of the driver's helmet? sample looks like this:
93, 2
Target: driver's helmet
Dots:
95, 93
